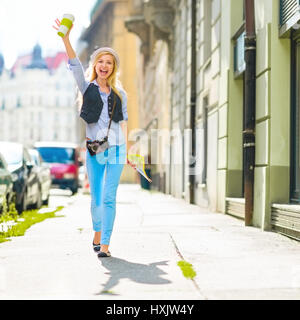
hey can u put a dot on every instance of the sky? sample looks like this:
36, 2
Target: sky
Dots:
23, 23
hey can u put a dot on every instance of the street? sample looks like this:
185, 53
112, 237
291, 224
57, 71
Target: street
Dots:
153, 231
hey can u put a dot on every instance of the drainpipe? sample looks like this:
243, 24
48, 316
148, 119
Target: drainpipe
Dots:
192, 163
249, 110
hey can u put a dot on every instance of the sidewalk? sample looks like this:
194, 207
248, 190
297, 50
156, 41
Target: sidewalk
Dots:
153, 231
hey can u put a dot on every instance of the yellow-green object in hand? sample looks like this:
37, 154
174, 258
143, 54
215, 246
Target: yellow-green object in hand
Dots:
66, 24
137, 162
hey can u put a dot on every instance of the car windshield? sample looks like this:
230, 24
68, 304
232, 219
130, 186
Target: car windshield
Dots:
57, 154
34, 157
12, 154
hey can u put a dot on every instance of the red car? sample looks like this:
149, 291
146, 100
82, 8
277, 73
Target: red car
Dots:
63, 159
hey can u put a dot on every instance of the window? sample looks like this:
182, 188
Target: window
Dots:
239, 53
289, 16
288, 8
295, 122
18, 104
31, 134
57, 154
56, 118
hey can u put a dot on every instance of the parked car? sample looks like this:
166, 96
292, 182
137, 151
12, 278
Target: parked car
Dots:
6, 185
25, 179
64, 162
44, 175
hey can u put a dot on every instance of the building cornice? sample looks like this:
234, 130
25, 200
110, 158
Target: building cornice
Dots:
152, 20
138, 26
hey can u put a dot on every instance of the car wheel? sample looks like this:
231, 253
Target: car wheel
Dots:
46, 202
23, 205
74, 190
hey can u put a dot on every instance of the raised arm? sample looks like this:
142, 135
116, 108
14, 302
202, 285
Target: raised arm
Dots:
69, 49
66, 40
74, 63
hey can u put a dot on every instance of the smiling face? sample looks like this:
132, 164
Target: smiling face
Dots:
104, 66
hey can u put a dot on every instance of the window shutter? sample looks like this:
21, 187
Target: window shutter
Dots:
289, 15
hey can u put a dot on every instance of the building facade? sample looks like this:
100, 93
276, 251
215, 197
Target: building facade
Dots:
186, 94
152, 25
275, 200
37, 100
193, 70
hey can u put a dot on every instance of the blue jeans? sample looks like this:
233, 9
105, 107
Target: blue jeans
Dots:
104, 172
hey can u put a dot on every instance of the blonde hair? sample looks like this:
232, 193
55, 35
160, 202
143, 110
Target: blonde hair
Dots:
113, 79
91, 75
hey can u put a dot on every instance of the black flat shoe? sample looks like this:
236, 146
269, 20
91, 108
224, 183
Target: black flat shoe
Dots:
102, 254
96, 247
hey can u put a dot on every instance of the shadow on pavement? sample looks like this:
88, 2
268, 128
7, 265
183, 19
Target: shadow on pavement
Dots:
137, 272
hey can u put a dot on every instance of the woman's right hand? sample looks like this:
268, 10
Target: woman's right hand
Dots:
57, 21
69, 49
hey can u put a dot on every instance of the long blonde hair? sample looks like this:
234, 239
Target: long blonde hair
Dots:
91, 75
113, 80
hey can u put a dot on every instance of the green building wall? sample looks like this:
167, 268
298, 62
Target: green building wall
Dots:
229, 165
272, 115
272, 154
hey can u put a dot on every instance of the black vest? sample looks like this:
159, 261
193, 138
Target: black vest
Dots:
92, 105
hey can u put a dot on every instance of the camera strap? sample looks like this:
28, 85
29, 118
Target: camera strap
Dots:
111, 116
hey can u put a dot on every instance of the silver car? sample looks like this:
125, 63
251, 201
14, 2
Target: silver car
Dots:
43, 171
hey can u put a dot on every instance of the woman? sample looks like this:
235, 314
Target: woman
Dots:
104, 168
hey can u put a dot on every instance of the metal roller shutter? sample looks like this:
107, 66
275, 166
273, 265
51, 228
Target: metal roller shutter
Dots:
289, 15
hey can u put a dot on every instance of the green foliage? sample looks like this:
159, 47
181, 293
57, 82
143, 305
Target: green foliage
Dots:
8, 214
13, 213
187, 269
28, 218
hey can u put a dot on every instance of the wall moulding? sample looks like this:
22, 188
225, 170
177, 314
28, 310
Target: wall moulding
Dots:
160, 14
138, 26
152, 21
